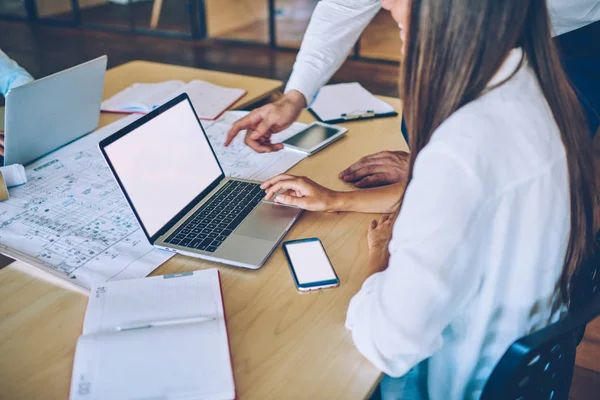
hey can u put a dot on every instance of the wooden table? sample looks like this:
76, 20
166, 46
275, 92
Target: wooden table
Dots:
284, 344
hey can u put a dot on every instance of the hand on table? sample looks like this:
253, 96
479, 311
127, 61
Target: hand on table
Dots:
300, 192
383, 168
267, 120
378, 239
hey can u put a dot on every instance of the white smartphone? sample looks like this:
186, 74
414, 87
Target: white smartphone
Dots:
310, 265
314, 137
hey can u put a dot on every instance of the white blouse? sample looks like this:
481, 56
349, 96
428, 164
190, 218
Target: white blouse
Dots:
478, 247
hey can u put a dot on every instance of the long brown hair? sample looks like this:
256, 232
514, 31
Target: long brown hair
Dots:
454, 49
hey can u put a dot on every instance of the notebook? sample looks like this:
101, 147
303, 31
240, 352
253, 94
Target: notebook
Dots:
162, 337
209, 100
344, 102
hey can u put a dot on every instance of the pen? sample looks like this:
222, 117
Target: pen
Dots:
169, 322
368, 113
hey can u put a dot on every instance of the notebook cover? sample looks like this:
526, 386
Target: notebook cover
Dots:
227, 329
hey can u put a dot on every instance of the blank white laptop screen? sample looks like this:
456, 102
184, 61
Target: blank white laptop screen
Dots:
164, 164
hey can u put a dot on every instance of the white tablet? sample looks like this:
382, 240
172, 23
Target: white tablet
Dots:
316, 136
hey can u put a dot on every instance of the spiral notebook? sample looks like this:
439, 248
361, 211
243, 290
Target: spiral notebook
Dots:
163, 337
209, 100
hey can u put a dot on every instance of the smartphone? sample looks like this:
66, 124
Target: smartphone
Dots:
310, 265
314, 137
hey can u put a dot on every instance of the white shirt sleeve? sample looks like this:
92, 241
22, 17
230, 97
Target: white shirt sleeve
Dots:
398, 316
334, 27
568, 15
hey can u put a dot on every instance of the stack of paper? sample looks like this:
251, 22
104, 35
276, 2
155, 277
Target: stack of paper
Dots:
209, 100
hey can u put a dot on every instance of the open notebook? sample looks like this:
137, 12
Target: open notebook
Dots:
209, 100
144, 339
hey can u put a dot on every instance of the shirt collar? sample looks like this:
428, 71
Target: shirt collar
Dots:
508, 67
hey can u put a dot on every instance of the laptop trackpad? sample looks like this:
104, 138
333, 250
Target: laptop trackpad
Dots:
268, 221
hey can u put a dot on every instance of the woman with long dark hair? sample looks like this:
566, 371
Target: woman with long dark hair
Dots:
498, 212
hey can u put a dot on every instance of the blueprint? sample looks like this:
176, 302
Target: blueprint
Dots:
71, 218
240, 161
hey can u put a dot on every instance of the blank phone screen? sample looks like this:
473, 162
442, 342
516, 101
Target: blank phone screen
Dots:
311, 137
310, 262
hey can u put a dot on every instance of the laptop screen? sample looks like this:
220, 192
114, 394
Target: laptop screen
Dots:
163, 165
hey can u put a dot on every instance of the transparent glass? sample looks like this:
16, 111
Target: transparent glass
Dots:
55, 10
167, 15
244, 20
291, 20
381, 38
13, 8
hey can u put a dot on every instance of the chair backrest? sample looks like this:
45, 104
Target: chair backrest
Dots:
540, 366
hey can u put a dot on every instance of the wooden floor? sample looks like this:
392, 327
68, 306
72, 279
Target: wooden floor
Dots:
44, 50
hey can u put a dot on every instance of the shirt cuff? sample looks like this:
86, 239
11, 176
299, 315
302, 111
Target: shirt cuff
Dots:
359, 298
304, 86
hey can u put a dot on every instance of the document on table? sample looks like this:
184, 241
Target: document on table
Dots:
240, 161
71, 219
160, 337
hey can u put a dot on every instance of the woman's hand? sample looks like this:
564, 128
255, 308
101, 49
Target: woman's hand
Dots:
378, 238
300, 192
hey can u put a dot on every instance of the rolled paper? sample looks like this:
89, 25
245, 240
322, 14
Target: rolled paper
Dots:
14, 175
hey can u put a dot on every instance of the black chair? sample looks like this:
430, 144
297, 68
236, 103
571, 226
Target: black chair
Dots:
540, 366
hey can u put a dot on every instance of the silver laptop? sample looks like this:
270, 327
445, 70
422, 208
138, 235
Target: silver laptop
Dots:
172, 179
48, 113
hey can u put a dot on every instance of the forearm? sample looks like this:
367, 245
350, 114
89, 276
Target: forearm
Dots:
11, 74
333, 29
380, 200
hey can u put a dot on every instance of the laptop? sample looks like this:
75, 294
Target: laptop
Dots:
48, 113
175, 186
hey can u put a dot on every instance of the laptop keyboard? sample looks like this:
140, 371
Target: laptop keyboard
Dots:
216, 219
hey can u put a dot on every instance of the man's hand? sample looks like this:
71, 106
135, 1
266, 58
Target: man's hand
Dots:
378, 169
261, 123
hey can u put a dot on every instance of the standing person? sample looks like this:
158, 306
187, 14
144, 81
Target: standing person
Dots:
498, 214
11, 75
336, 25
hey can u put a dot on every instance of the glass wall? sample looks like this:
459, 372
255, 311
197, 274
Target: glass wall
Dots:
172, 16
381, 38
244, 20
291, 20
13, 8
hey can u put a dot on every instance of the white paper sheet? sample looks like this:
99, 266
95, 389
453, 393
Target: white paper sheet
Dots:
71, 217
240, 161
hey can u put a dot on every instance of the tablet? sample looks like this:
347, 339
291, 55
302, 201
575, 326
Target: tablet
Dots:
314, 137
